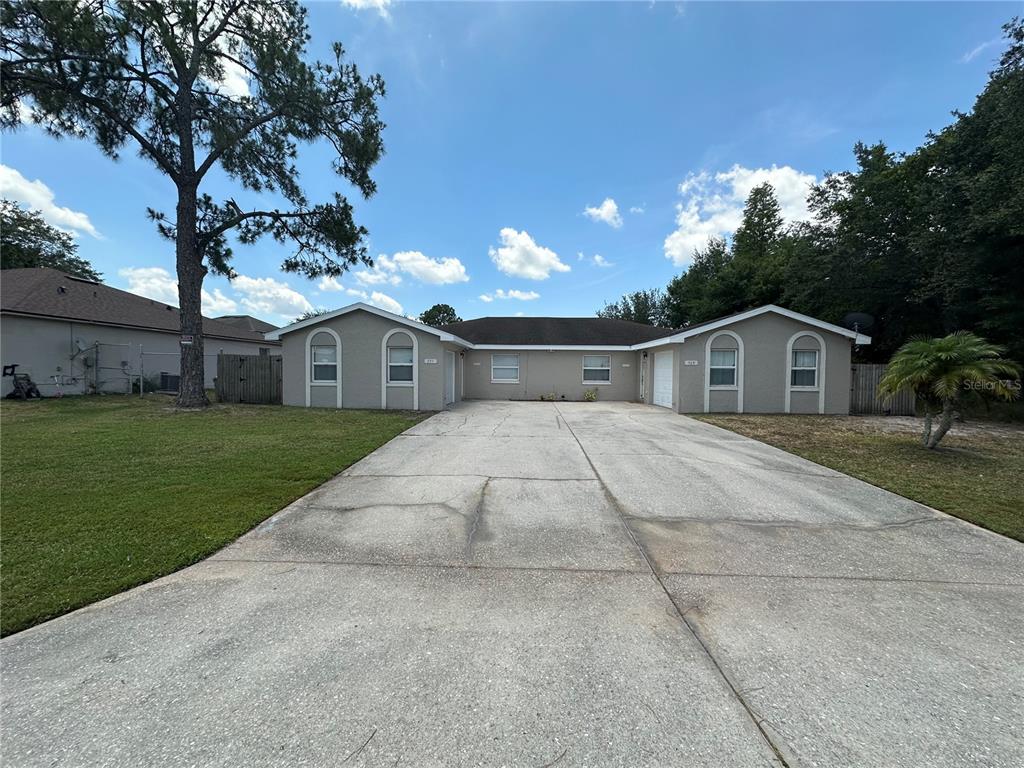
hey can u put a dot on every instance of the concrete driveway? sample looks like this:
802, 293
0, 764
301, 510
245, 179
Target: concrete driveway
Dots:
537, 584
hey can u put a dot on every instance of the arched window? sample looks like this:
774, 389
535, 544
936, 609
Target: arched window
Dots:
323, 363
399, 352
723, 355
805, 367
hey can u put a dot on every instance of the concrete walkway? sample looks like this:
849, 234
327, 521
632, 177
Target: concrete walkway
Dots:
538, 584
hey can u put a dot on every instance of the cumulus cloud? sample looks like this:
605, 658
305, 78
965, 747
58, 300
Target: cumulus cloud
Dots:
512, 294
37, 196
636, 209
601, 261
158, 284
381, 6
428, 270
712, 205
329, 284
519, 256
608, 212
377, 299
265, 295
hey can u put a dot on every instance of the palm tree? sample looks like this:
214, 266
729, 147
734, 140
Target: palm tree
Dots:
943, 373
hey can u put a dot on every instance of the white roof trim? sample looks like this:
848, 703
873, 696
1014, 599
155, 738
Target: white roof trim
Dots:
685, 334
276, 335
557, 347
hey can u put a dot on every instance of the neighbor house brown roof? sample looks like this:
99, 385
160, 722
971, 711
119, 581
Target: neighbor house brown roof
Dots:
248, 322
47, 293
555, 331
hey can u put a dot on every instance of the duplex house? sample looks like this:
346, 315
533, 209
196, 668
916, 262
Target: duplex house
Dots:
765, 360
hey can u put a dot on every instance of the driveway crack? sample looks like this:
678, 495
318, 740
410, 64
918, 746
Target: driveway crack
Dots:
478, 512
754, 717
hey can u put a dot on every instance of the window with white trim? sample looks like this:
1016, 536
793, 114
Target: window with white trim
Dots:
804, 368
504, 369
325, 363
597, 369
722, 368
400, 362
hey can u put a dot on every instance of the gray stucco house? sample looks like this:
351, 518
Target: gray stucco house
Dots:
764, 360
77, 336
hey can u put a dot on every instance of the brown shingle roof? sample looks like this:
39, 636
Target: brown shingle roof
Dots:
247, 322
48, 293
555, 331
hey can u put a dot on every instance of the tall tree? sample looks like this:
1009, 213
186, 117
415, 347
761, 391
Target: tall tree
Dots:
758, 253
152, 74
28, 241
440, 314
697, 294
647, 307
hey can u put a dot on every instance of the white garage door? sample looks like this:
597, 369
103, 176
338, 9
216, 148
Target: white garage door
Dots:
663, 379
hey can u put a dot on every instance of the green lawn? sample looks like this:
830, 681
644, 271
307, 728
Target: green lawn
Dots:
99, 494
975, 474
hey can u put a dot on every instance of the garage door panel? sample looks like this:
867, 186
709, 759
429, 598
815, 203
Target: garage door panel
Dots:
662, 389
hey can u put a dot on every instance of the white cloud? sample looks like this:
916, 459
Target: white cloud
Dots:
608, 212
972, 54
158, 284
636, 209
428, 270
381, 6
217, 303
597, 259
385, 302
235, 82
329, 284
38, 196
520, 256
377, 299
265, 295
712, 206
512, 294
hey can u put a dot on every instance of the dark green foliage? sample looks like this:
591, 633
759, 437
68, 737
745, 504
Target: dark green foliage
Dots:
28, 241
309, 314
648, 307
440, 314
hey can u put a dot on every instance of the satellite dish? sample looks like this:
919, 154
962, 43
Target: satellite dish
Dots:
79, 345
861, 322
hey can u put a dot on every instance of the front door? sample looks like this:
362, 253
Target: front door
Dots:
449, 378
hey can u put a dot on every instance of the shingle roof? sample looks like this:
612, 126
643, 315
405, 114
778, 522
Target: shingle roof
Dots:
248, 322
555, 331
48, 293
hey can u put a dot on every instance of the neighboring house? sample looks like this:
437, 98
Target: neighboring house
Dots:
247, 323
765, 360
83, 336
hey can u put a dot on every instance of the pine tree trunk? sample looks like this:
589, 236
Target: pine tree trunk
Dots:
945, 422
191, 391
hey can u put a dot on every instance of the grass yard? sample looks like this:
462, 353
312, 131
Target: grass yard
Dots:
975, 474
99, 494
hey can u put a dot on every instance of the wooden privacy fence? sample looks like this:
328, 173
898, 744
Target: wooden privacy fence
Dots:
248, 378
864, 397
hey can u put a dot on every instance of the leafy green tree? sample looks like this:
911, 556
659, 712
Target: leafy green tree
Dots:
439, 314
943, 373
697, 294
28, 241
755, 274
647, 307
153, 75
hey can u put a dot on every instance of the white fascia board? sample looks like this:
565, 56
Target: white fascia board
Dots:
684, 334
276, 335
556, 347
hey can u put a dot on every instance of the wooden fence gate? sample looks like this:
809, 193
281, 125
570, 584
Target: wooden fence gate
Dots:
248, 378
864, 399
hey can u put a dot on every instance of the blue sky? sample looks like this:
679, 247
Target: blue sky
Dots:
544, 158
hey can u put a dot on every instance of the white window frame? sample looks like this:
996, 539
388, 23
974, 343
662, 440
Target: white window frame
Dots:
597, 382
338, 370
516, 366
822, 367
313, 364
735, 368
411, 365
794, 367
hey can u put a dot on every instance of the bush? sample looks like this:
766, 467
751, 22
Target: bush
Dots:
590, 395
